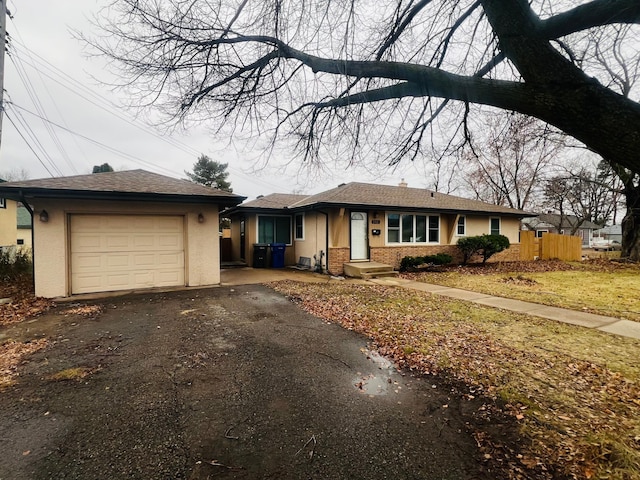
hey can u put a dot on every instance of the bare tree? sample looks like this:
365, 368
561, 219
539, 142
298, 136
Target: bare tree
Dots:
618, 67
365, 79
515, 156
583, 194
560, 197
14, 175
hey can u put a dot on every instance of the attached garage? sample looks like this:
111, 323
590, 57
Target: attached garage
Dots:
126, 252
122, 231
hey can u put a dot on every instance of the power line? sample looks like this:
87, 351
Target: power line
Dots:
96, 142
34, 138
74, 86
35, 99
27, 142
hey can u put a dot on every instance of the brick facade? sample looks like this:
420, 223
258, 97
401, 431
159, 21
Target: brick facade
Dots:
393, 255
337, 258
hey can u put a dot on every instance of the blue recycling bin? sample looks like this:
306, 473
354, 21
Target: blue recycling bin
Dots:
277, 255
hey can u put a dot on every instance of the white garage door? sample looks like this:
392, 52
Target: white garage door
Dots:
123, 252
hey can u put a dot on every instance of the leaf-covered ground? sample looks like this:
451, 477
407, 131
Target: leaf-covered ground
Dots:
23, 304
574, 392
598, 286
12, 354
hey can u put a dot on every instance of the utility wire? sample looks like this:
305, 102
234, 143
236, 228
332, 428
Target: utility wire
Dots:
35, 99
74, 86
26, 128
96, 142
27, 142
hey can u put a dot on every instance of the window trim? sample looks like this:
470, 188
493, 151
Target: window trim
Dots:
3, 202
464, 226
295, 226
270, 216
399, 228
541, 232
499, 225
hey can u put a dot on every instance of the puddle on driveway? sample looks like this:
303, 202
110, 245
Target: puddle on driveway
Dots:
383, 382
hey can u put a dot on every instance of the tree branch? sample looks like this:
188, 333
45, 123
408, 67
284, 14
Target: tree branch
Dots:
593, 14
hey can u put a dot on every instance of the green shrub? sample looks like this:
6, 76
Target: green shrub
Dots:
440, 259
469, 246
484, 245
493, 244
409, 262
15, 262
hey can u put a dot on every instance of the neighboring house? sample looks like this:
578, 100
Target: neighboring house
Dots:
360, 222
23, 226
121, 231
549, 223
8, 226
612, 233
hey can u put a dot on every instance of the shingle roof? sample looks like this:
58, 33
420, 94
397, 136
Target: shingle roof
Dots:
551, 220
274, 201
114, 185
24, 217
385, 196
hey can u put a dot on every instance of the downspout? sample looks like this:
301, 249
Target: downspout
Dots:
33, 243
326, 239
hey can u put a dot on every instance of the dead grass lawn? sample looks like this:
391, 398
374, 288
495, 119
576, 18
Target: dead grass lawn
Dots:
606, 288
575, 392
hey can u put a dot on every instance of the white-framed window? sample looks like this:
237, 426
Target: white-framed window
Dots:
413, 228
540, 233
461, 227
494, 225
299, 226
274, 229
3, 203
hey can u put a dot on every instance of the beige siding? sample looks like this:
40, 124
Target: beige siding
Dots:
8, 224
314, 238
52, 253
24, 234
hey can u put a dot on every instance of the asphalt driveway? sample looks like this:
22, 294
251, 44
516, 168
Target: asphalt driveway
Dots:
229, 382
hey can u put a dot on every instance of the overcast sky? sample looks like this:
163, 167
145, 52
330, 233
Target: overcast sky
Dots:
49, 75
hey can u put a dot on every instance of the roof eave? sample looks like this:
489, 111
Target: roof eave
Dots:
367, 206
19, 194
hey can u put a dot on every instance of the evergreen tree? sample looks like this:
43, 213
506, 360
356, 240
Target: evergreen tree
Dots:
210, 173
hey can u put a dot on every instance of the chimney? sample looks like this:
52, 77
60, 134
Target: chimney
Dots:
403, 184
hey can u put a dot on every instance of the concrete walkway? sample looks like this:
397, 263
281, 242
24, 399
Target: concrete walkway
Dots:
617, 326
625, 328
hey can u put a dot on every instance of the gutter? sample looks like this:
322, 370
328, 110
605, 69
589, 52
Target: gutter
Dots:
24, 202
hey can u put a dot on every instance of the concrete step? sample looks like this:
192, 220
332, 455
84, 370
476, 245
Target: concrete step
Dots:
367, 269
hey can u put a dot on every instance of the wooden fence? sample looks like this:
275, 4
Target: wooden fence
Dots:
550, 246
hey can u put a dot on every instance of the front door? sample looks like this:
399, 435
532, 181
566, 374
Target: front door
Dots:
359, 243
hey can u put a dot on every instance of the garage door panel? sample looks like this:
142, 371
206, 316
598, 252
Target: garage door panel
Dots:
140, 242
144, 260
87, 242
86, 262
122, 252
167, 277
113, 242
170, 241
117, 261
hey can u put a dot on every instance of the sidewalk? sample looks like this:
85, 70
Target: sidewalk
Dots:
625, 328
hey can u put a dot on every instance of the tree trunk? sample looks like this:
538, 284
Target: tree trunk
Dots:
631, 224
